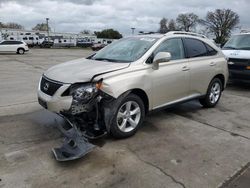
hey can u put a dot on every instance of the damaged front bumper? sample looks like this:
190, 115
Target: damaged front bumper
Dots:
75, 145
85, 119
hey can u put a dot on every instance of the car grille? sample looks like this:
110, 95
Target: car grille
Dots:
239, 64
239, 76
49, 86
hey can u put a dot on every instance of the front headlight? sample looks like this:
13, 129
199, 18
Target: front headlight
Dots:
84, 93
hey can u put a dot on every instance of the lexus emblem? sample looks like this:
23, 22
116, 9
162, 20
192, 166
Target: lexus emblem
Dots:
46, 86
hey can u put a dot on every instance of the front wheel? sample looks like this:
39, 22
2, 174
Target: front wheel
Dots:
129, 116
213, 94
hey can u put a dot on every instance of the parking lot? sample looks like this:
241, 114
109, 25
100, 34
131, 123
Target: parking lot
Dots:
184, 146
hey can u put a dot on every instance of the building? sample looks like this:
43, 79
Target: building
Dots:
33, 37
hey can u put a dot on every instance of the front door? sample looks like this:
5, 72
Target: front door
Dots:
171, 80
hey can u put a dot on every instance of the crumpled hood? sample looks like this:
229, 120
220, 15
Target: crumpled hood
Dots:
81, 70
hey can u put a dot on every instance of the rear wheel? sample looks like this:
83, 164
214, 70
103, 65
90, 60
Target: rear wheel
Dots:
20, 51
213, 94
128, 117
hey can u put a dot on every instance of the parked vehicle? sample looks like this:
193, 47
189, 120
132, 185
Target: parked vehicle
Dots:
46, 44
112, 90
64, 43
237, 50
19, 47
84, 43
97, 46
31, 40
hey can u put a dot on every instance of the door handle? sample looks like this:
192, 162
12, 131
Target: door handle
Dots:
185, 68
212, 64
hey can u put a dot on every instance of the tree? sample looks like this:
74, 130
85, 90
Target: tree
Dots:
172, 25
86, 32
41, 27
221, 22
163, 26
108, 34
187, 21
11, 25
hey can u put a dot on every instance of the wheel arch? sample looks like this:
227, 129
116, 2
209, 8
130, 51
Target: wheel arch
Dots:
142, 94
20, 48
222, 79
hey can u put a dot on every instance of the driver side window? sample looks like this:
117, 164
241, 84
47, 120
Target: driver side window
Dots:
174, 46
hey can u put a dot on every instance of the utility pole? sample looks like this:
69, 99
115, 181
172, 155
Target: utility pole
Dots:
133, 30
47, 22
1, 31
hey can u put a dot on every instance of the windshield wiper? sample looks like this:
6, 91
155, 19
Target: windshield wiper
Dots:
105, 59
229, 47
244, 48
111, 60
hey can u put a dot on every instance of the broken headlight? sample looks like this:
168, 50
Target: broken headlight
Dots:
84, 93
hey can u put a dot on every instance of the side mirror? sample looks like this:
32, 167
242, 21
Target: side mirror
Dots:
160, 58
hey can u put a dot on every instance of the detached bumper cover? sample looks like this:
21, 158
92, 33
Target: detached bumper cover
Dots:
75, 145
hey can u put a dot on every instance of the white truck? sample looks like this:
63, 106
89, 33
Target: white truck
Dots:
237, 50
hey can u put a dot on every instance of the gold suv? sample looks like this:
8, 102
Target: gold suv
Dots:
112, 90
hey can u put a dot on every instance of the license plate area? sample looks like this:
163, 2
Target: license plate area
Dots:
42, 103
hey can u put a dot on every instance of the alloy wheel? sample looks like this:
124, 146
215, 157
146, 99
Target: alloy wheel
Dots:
215, 93
128, 116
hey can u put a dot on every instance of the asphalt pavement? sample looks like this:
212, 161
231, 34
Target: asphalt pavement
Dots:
184, 146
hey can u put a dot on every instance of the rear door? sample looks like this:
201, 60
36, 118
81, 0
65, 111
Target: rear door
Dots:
201, 63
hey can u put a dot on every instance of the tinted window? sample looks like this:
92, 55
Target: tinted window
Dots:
31, 38
174, 46
25, 38
195, 48
4, 42
11, 42
210, 50
19, 42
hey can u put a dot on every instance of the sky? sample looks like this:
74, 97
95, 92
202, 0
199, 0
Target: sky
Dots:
122, 15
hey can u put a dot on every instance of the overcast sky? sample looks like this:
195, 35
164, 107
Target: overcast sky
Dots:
77, 15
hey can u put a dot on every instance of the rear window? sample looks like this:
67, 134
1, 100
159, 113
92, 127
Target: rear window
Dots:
194, 48
210, 50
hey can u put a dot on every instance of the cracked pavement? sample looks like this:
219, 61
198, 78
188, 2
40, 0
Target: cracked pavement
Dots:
186, 146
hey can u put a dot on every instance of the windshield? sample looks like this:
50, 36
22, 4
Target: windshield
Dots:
238, 42
125, 50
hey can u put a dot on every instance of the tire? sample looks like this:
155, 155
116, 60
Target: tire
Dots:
129, 116
20, 51
213, 94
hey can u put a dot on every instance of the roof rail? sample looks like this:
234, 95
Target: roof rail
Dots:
185, 33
